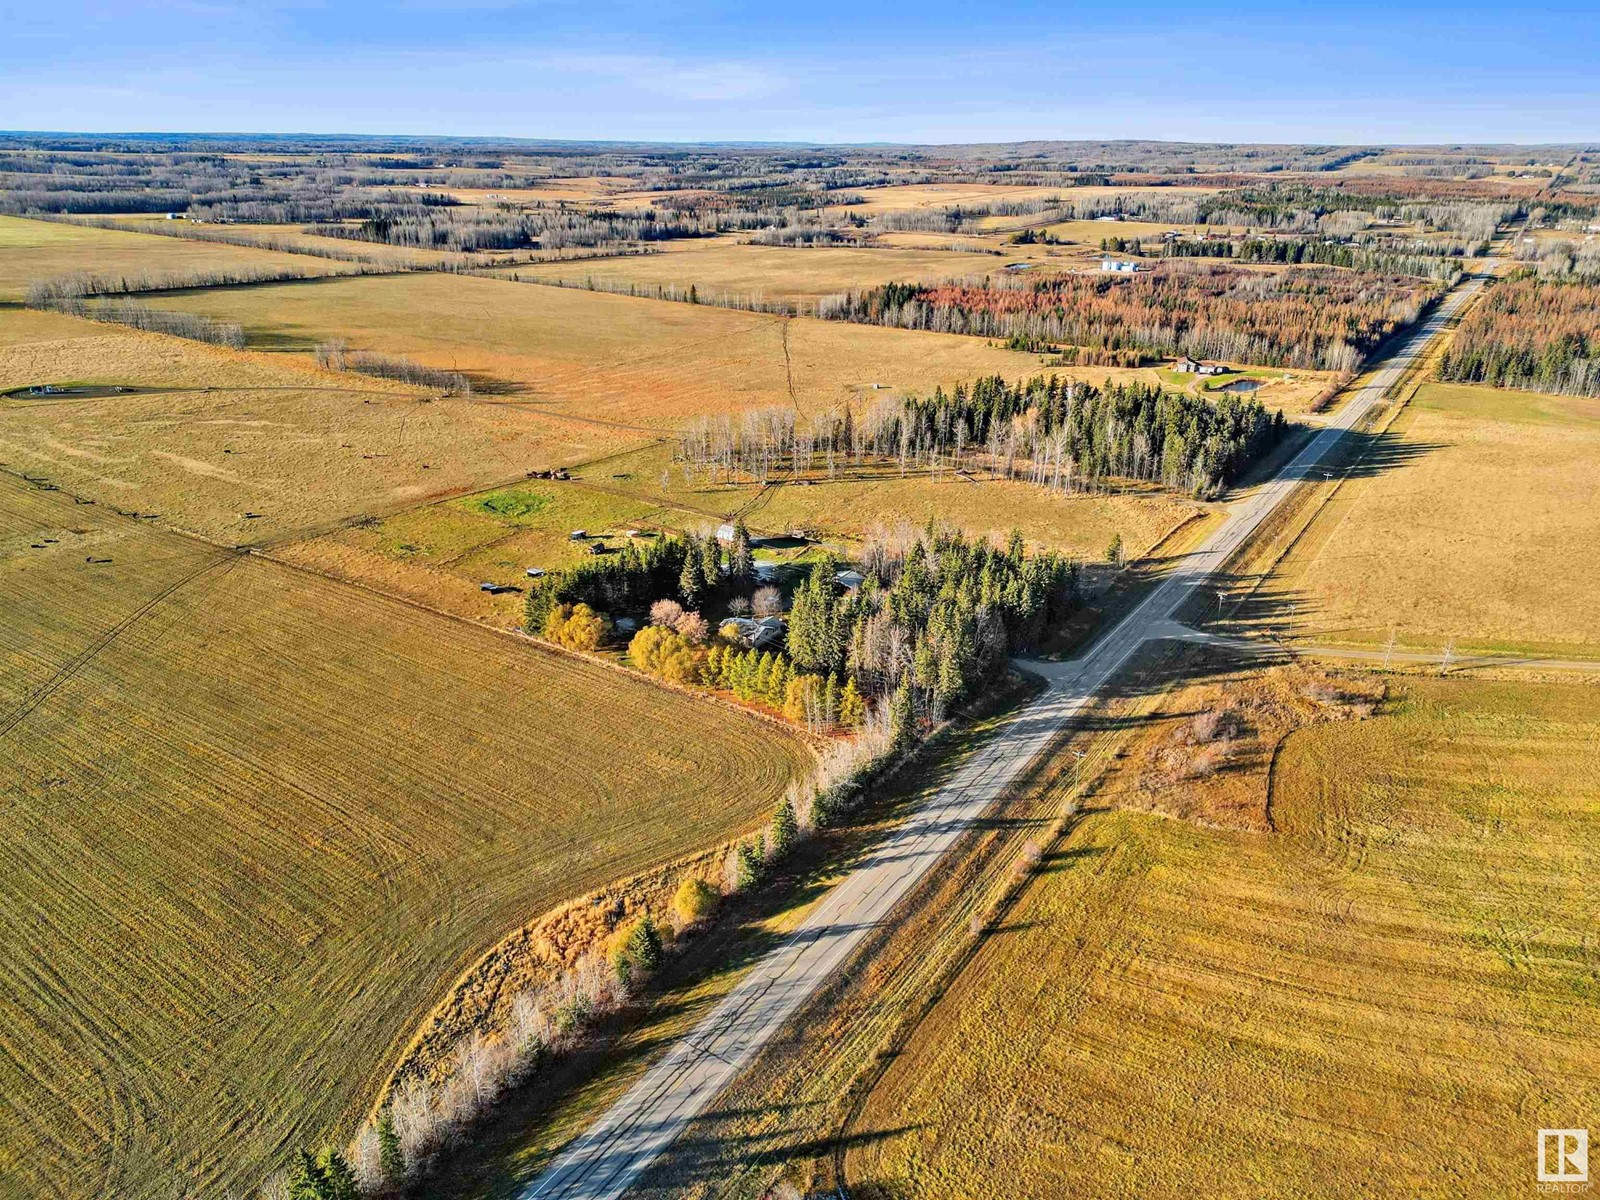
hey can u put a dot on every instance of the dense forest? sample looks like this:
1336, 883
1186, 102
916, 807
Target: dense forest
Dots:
1054, 432
1539, 334
1313, 318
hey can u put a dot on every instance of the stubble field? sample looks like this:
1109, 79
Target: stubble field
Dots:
1462, 526
1390, 993
257, 821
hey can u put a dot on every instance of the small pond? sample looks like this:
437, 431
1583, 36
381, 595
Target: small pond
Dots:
1240, 386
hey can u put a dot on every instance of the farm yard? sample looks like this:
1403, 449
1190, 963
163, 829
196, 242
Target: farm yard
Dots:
258, 821
1171, 1001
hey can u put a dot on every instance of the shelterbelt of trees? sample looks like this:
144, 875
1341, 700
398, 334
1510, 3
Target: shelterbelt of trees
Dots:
1427, 260
1310, 318
1051, 431
1539, 334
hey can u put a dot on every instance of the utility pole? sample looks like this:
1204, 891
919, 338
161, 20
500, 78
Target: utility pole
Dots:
1388, 650
1077, 777
1449, 656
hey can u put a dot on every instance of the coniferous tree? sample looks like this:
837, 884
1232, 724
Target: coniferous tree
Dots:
785, 830
741, 562
691, 579
391, 1159
902, 717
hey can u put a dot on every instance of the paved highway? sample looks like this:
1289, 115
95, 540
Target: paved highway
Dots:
602, 1163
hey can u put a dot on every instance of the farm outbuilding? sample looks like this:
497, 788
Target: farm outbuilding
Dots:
1118, 266
850, 581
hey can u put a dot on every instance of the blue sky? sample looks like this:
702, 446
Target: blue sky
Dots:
990, 70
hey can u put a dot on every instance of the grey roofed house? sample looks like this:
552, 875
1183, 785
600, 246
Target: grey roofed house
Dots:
753, 633
849, 580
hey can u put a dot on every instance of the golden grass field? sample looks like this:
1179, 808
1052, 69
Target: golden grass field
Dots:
439, 553
1469, 526
31, 250
1389, 995
644, 364
211, 435
725, 266
257, 822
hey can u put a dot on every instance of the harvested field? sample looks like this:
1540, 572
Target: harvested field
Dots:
1462, 524
205, 436
1392, 993
31, 250
257, 822
724, 266
644, 364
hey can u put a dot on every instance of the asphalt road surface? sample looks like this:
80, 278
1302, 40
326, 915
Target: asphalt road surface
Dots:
603, 1162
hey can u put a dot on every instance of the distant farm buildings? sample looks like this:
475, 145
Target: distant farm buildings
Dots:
1194, 366
1118, 266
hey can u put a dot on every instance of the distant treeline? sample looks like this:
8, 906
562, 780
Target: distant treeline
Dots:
155, 320
1307, 318
1051, 431
337, 356
1293, 251
45, 292
1539, 334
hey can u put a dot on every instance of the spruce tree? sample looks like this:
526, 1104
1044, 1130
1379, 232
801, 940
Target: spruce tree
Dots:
691, 580
339, 1181
750, 865
852, 709
306, 1180
785, 831
391, 1159
902, 717
644, 945
741, 562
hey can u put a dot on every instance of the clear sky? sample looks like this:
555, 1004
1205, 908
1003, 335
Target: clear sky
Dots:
823, 71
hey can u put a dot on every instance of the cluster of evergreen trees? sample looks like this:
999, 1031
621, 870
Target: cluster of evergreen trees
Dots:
1051, 431
937, 617
1123, 430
